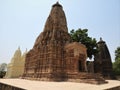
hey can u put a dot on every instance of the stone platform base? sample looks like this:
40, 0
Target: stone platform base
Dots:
21, 84
82, 77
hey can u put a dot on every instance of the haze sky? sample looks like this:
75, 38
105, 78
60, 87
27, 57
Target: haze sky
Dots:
21, 21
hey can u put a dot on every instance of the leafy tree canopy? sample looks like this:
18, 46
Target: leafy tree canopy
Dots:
116, 64
117, 54
82, 37
3, 67
2, 74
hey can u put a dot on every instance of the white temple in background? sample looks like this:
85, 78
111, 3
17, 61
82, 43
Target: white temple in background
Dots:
16, 67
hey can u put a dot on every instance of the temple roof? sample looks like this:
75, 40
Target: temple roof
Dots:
55, 25
103, 50
56, 19
101, 41
17, 52
17, 55
57, 4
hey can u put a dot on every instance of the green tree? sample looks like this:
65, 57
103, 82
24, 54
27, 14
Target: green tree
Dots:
82, 37
116, 64
2, 74
3, 67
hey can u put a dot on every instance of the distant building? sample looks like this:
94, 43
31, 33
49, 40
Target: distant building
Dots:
16, 67
103, 62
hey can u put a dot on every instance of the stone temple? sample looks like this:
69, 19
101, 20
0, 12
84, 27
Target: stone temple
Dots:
54, 57
103, 62
15, 68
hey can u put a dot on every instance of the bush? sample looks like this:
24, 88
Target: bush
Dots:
2, 74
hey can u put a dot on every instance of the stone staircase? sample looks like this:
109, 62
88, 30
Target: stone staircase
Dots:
92, 78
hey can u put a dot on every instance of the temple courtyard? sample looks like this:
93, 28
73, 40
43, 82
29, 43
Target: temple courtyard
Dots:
43, 85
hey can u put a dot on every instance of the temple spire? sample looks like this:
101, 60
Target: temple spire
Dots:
18, 47
56, 19
26, 50
57, 1
101, 39
103, 62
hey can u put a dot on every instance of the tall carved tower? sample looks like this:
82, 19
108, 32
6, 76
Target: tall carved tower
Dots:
54, 56
103, 63
46, 59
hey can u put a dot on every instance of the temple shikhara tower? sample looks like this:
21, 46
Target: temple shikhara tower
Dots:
54, 57
15, 68
103, 62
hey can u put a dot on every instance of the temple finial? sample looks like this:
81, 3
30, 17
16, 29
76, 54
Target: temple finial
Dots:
19, 48
101, 39
26, 50
57, 2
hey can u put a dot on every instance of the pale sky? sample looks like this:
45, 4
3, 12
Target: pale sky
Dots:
21, 21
